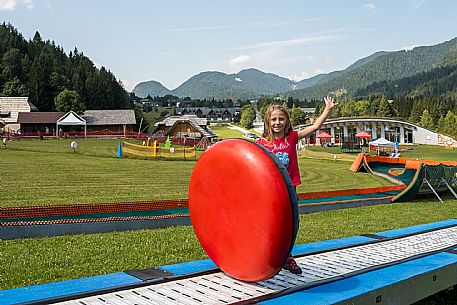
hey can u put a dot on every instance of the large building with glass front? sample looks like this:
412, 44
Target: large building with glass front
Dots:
393, 129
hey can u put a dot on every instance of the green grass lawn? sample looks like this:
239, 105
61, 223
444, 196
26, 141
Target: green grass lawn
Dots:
225, 133
49, 172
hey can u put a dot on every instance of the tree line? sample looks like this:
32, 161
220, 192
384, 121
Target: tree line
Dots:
53, 80
436, 114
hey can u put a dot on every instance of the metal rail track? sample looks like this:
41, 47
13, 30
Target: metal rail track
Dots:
318, 268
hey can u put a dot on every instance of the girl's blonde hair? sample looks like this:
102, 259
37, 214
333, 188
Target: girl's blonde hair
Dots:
267, 130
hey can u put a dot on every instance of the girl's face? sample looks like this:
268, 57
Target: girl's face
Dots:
278, 123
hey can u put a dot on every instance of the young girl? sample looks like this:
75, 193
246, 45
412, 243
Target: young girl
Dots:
281, 140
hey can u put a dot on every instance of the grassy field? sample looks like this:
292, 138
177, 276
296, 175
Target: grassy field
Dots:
49, 172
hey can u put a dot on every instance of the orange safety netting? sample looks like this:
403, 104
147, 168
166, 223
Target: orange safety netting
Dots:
80, 209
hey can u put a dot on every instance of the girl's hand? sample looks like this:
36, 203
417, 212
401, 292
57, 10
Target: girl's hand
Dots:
330, 102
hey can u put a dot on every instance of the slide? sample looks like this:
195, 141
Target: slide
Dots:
420, 177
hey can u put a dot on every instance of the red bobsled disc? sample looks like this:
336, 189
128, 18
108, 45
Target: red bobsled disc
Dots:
243, 209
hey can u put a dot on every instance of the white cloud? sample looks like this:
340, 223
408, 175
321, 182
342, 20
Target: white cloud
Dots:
370, 7
409, 48
238, 79
7, 5
314, 39
238, 62
129, 85
28, 4
299, 77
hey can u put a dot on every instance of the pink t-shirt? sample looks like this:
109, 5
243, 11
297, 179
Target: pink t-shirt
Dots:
286, 151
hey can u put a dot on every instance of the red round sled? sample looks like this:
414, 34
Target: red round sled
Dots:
243, 209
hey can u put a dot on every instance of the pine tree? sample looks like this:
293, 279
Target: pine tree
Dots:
247, 117
297, 116
427, 120
450, 123
14, 87
440, 125
384, 108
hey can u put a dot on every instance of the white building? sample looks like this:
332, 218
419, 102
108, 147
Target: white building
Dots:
393, 129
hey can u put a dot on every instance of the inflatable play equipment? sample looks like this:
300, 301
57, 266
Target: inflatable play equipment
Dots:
243, 209
419, 177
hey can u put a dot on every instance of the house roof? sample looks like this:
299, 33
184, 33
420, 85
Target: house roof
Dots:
109, 117
39, 117
11, 106
91, 117
171, 120
200, 124
206, 110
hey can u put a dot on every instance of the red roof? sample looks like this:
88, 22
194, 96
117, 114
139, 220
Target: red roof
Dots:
39, 117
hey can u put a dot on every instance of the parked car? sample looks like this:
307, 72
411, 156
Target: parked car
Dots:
251, 136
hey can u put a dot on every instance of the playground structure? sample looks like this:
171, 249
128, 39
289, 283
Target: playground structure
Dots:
173, 148
153, 151
418, 177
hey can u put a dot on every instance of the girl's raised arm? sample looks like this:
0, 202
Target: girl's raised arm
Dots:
329, 104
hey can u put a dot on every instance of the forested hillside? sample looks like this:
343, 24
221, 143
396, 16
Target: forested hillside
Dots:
389, 66
323, 78
42, 70
437, 83
151, 88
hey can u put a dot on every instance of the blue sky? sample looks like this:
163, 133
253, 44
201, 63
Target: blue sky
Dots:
170, 41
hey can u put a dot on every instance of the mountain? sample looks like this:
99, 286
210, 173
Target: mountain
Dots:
439, 82
322, 78
152, 88
375, 70
382, 66
246, 84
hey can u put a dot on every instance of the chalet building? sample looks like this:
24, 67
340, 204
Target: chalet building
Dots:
212, 114
17, 113
146, 101
31, 122
10, 107
122, 120
92, 122
179, 103
185, 126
